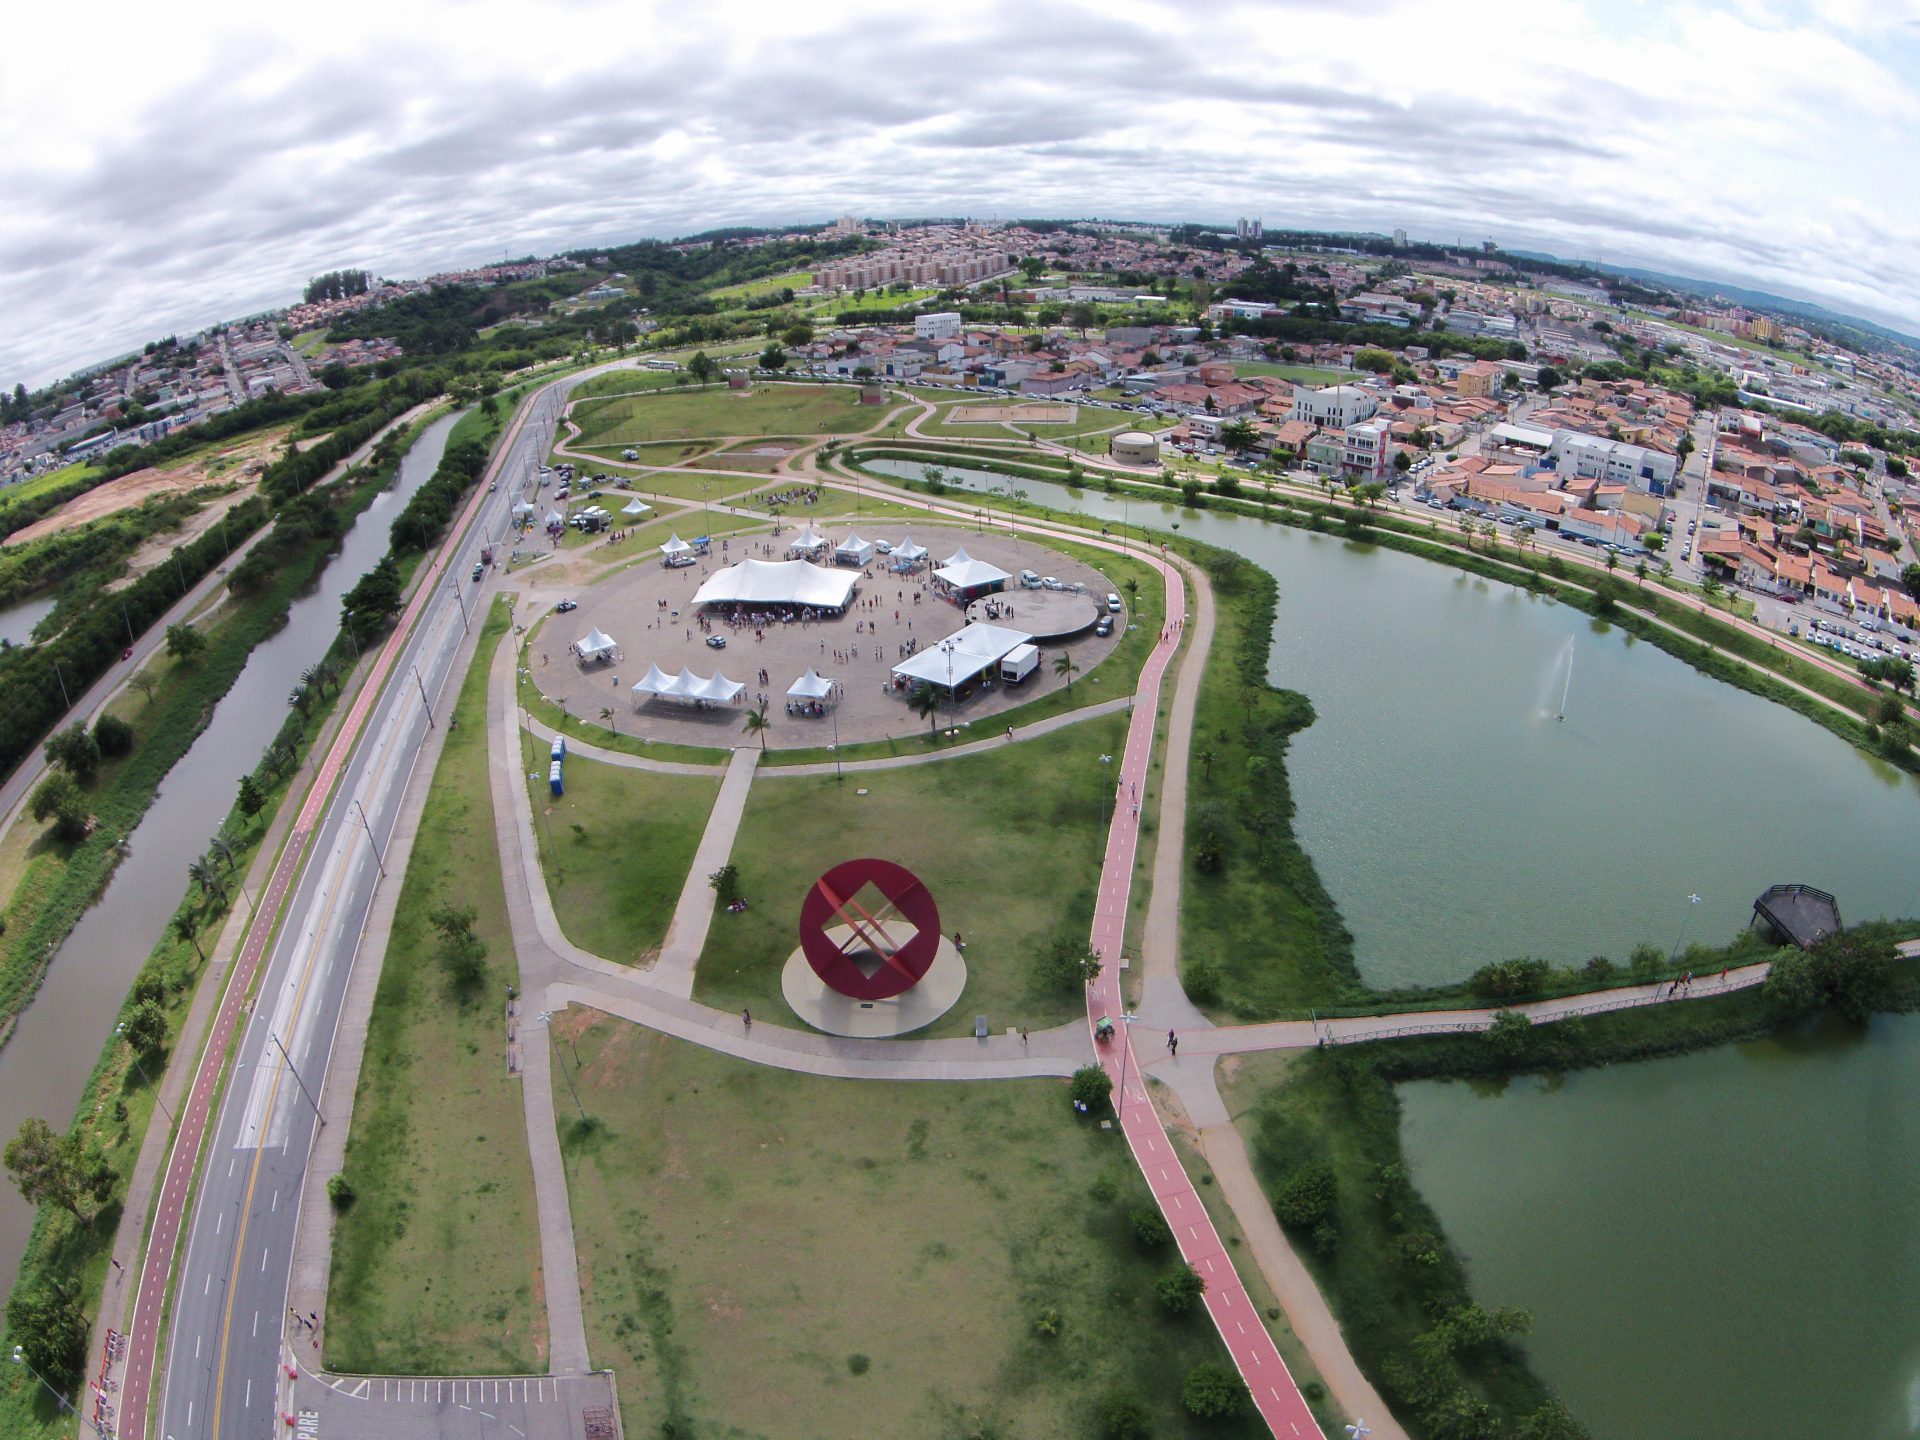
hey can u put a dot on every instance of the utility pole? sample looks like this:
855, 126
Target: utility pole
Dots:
425, 703
378, 858
454, 585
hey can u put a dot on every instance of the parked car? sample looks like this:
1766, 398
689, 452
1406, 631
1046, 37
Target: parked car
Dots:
564, 606
716, 642
478, 569
1104, 626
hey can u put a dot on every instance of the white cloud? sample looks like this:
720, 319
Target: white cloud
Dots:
196, 164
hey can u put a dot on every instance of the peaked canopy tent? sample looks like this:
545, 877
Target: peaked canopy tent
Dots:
969, 578
808, 542
556, 520
853, 550
636, 506
778, 582
656, 683
597, 646
675, 547
908, 551
964, 655
523, 510
811, 686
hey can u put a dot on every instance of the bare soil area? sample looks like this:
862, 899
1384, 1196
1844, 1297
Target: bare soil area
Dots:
243, 461
1024, 414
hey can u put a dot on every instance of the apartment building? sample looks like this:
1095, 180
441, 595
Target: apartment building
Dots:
1335, 407
1594, 457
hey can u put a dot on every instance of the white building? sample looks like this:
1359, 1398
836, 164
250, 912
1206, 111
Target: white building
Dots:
1594, 457
1369, 449
1336, 407
943, 326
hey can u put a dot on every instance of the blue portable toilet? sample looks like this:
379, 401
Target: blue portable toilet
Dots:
559, 751
553, 779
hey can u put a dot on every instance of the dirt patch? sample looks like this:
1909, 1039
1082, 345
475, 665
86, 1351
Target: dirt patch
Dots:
158, 549
1024, 414
242, 462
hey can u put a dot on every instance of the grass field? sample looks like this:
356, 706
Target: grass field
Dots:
625, 841
775, 1255
648, 454
52, 480
764, 410
436, 1263
1009, 842
1305, 374
766, 285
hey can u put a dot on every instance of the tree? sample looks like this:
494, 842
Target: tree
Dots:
187, 928
1552, 1421
144, 683
1307, 1196
1380, 362
1910, 578
1509, 1034
1180, 1289
253, 799
1238, 434
58, 798
798, 334
1790, 990
374, 599
185, 643
1854, 970
50, 1169
702, 367
146, 1026
1213, 1392
462, 952
75, 751
924, 701
726, 883
50, 1327
208, 879
756, 723
1090, 1088
1549, 378
773, 358
1063, 665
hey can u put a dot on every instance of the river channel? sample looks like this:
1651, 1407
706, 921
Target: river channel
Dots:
1456, 818
44, 1067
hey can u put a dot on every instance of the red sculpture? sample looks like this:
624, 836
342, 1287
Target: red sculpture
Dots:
898, 940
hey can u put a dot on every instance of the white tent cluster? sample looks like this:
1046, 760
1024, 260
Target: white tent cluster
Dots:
778, 582
718, 690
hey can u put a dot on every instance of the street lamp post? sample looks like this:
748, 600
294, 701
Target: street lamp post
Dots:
1127, 1017
425, 703
378, 858
1105, 813
20, 1358
546, 1018
296, 1077
1686, 916
454, 585
121, 1031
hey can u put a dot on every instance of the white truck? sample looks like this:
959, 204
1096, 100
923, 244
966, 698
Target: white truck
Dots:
1018, 663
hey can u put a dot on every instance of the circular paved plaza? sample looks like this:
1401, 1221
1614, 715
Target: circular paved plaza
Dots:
647, 611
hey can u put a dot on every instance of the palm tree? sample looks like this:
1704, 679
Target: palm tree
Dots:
208, 879
1133, 592
1613, 562
1063, 665
311, 679
924, 701
606, 719
185, 929
222, 849
1206, 757
1640, 573
758, 724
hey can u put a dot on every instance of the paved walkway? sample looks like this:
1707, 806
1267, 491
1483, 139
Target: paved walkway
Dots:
687, 931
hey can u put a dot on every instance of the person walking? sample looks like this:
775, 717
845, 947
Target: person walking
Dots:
1173, 1043
746, 1019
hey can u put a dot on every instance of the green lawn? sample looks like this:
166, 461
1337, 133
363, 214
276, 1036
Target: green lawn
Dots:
763, 410
1009, 842
27, 489
776, 1255
648, 454
1305, 374
626, 382
750, 289
436, 1265
625, 841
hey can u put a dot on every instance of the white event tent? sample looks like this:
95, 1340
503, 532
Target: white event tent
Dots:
808, 542
909, 552
961, 656
523, 510
963, 572
597, 646
778, 582
675, 547
810, 686
636, 507
853, 550
686, 686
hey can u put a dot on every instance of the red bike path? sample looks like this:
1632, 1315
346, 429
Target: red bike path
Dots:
1274, 1393
183, 1161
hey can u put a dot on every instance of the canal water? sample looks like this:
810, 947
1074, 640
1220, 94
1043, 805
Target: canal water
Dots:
1718, 1244
44, 1067
17, 621
1606, 781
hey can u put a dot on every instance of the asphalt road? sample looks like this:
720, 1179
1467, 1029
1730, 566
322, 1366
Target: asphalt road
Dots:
224, 1343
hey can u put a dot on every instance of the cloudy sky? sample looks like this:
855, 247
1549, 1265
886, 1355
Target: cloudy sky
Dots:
175, 165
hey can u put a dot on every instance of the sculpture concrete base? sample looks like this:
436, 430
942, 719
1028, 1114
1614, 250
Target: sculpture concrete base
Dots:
836, 1014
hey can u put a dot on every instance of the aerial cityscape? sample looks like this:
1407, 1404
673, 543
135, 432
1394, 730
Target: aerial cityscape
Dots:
1060, 722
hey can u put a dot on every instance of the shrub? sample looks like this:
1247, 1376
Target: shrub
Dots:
1326, 1239
1510, 1034
1213, 1392
1121, 1417
112, 735
74, 750
1790, 990
1090, 1088
726, 883
1598, 970
1203, 982
1307, 1197
1179, 1289
1150, 1230
58, 798
858, 1364
340, 1191
1505, 978
1047, 1323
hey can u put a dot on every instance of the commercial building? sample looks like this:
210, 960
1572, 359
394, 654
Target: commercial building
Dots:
1335, 407
943, 326
1367, 450
1594, 457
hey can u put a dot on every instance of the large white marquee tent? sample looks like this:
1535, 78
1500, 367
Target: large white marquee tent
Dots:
778, 582
686, 686
976, 649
